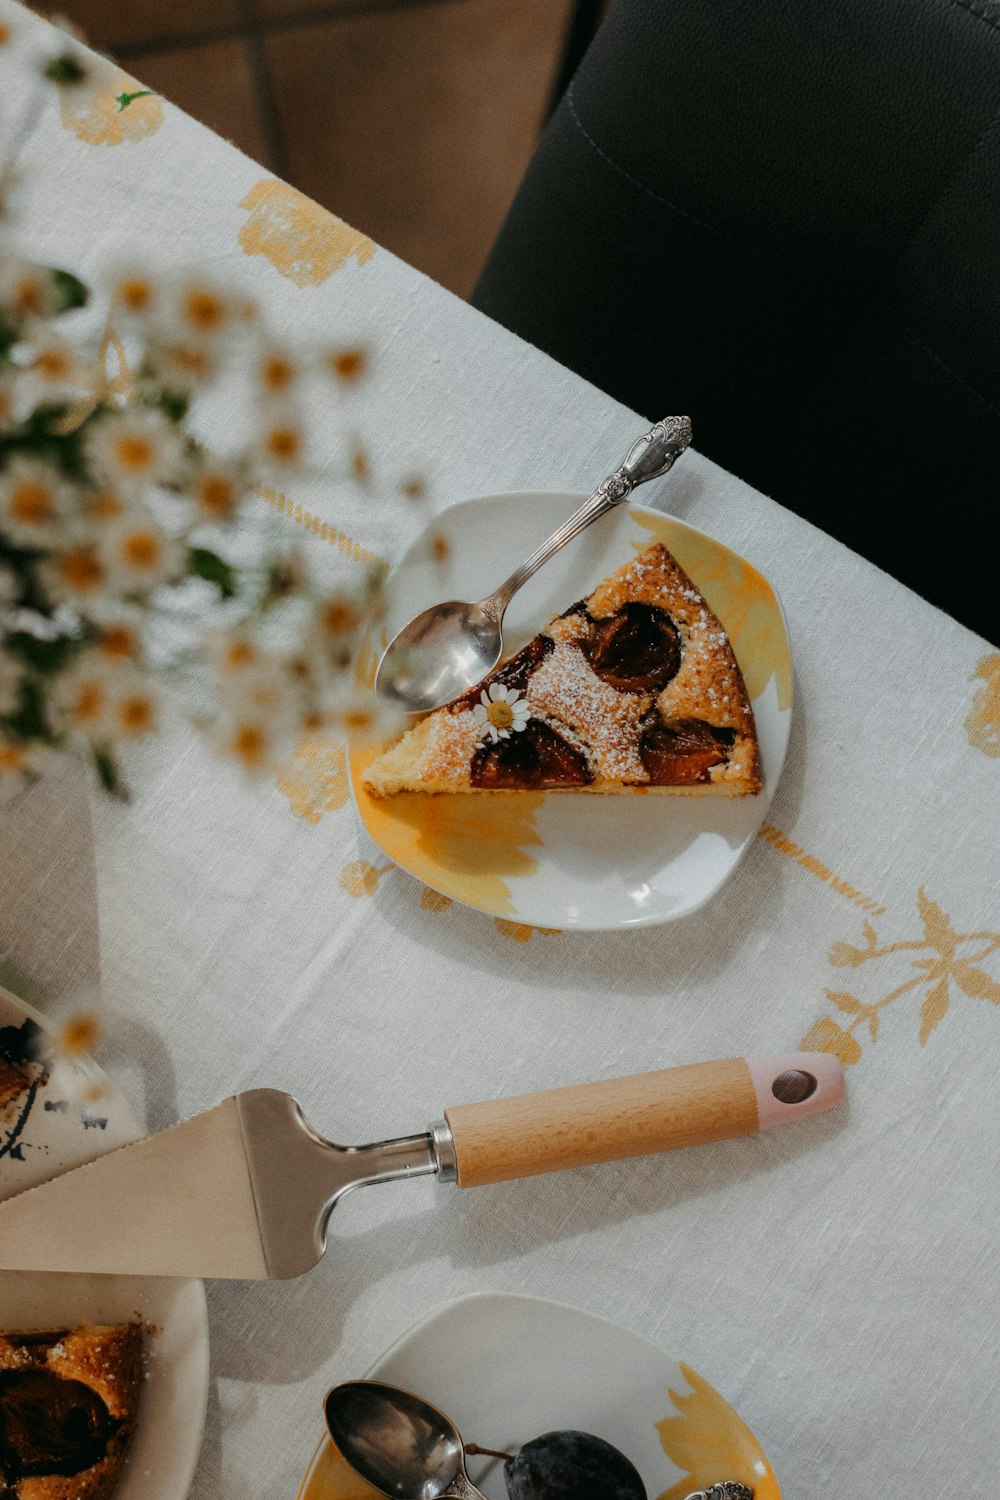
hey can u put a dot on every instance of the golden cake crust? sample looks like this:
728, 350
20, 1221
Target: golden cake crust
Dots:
698, 717
107, 1360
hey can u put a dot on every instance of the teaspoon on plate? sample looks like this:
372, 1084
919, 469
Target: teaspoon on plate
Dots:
450, 647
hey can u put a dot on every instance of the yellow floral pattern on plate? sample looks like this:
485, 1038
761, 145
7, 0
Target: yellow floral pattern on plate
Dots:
110, 108
469, 845
741, 597
709, 1442
330, 1477
303, 241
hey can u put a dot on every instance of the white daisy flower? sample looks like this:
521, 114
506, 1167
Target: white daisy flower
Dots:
217, 488
76, 574
277, 373
33, 501
132, 706
281, 441
18, 759
57, 371
134, 449
82, 698
181, 365
501, 711
203, 310
26, 290
137, 554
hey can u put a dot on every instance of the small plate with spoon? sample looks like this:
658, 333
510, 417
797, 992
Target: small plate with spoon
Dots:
508, 1369
555, 859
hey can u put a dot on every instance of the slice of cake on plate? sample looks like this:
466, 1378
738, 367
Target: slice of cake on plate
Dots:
634, 689
68, 1404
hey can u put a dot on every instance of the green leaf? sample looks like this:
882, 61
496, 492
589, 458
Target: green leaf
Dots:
205, 564
108, 773
46, 657
29, 720
65, 69
70, 291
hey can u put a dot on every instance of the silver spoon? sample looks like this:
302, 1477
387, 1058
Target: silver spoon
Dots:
448, 648
397, 1442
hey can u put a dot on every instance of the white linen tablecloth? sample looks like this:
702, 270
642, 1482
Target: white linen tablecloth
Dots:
838, 1282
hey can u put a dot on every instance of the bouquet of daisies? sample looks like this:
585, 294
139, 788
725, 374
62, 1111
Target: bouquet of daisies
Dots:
122, 572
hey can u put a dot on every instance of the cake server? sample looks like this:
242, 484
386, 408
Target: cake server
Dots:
448, 648
246, 1189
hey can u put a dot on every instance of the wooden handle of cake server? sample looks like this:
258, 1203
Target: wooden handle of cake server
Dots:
690, 1105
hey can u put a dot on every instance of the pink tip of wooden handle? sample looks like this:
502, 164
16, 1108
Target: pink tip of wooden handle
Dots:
795, 1085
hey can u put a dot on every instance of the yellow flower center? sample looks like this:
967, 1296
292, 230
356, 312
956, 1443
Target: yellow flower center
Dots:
141, 549
500, 714
88, 702
238, 654
217, 495
32, 503
338, 616
278, 373
249, 744
135, 453
53, 364
81, 570
29, 297
135, 714
118, 641
136, 295
80, 1033
192, 361
105, 506
357, 718
204, 310
13, 758
347, 364
283, 443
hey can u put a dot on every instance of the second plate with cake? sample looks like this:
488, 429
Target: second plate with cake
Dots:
564, 859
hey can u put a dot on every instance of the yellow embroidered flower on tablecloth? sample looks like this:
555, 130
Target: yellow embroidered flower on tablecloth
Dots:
521, 932
315, 779
949, 963
110, 107
709, 1442
361, 877
982, 722
304, 242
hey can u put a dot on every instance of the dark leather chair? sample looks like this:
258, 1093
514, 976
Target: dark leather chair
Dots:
783, 217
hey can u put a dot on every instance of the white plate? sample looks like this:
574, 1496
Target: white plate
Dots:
556, 859
506, 1369
54, 1126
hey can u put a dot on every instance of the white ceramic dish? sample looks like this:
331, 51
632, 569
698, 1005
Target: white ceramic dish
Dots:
506, 1369
562, 859
53, 1126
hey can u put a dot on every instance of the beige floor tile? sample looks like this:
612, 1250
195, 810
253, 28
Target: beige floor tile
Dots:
112, 24
214, 83
415, 125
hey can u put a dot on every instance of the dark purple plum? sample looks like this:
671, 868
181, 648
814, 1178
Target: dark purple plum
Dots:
570, 1465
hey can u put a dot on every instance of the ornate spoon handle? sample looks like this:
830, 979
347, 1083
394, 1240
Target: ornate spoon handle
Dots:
648, 458
726, 1489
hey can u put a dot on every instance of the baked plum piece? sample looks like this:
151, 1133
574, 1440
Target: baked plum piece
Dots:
569, 1465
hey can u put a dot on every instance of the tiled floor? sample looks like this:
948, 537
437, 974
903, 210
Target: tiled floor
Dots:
411, 119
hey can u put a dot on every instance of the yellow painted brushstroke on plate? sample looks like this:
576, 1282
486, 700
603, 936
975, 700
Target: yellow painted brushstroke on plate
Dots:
93, 109
464, 847
303, 241
710, 1442
741, 597
330, 1477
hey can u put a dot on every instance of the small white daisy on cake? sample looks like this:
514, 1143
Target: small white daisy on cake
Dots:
502, 711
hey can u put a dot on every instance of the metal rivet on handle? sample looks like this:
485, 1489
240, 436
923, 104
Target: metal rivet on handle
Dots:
794, 1086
